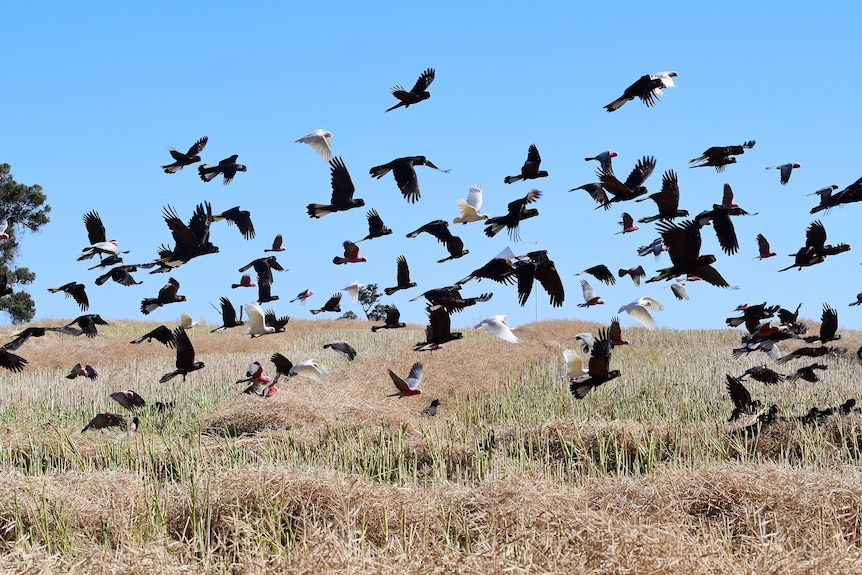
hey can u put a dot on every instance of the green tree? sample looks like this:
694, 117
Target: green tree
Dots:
368, 299
23, 207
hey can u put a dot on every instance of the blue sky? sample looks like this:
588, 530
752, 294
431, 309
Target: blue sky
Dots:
95, 95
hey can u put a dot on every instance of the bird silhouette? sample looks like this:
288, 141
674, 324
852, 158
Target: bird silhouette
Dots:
719, 157
417, 93
182, 160
598, 367
403, 277
405, 174
185, 363
76, 291
392, 320
440, 230
332, 304
517, 212
530, 170
648, 88
228, 168
342, 192
168, 294
376, 227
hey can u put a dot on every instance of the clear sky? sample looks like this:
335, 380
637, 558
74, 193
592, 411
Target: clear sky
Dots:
95, 94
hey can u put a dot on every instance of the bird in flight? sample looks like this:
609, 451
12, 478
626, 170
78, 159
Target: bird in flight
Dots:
648, 88
227, 168
182, 160
530, 170
417, 93
319, 142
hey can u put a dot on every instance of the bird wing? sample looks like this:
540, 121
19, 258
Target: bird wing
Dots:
640, 313
414, 378
95, 228
319, 142
815, 235
424, 80
405, 177
311, 369
342, 185
496, 326
740, 396
589, 292
185, 350
403, 271
256, 317
474, 198
642, 170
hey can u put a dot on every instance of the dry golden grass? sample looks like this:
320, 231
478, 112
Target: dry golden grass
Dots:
642, 476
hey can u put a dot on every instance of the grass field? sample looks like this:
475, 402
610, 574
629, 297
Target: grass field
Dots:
513, 475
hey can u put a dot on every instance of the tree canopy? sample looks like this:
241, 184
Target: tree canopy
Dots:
23, 207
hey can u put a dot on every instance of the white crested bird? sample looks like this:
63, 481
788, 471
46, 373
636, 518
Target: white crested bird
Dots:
640, 309
496, 325
310, 369
353, 289
574, 364
319, 142
469, 208
257, 321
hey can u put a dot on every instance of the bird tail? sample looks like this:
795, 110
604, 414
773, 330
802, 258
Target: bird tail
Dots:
207, 172
512, 179
391, 290
492, 230
86, 255
319, 210
616, 104
148, 305
338, 260
316, 311
580, 389
374, 328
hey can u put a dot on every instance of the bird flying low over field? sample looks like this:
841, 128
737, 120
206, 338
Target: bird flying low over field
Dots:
86, 324
416, 94
496, 326
410, 385
332, 304
392, 320
640, 309
168, 294
76, 291
228, 315
402, 276
185, 362
648, 88
598, 371
308, 368
343, 348
83, 371
128, 399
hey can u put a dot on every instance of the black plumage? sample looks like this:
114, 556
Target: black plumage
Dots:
185, 363
76, 291
228, 168
530, 170
181, 160
440, 230
405, 174
342, 192
517, 211
417, 93
402, 276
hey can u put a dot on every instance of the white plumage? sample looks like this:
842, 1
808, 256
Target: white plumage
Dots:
353, 289
469, 208
574, 364
257, 323
496, 325
310, 369
319, 142
640, 310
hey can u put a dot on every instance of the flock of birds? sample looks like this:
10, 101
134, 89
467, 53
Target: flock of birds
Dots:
680, 238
